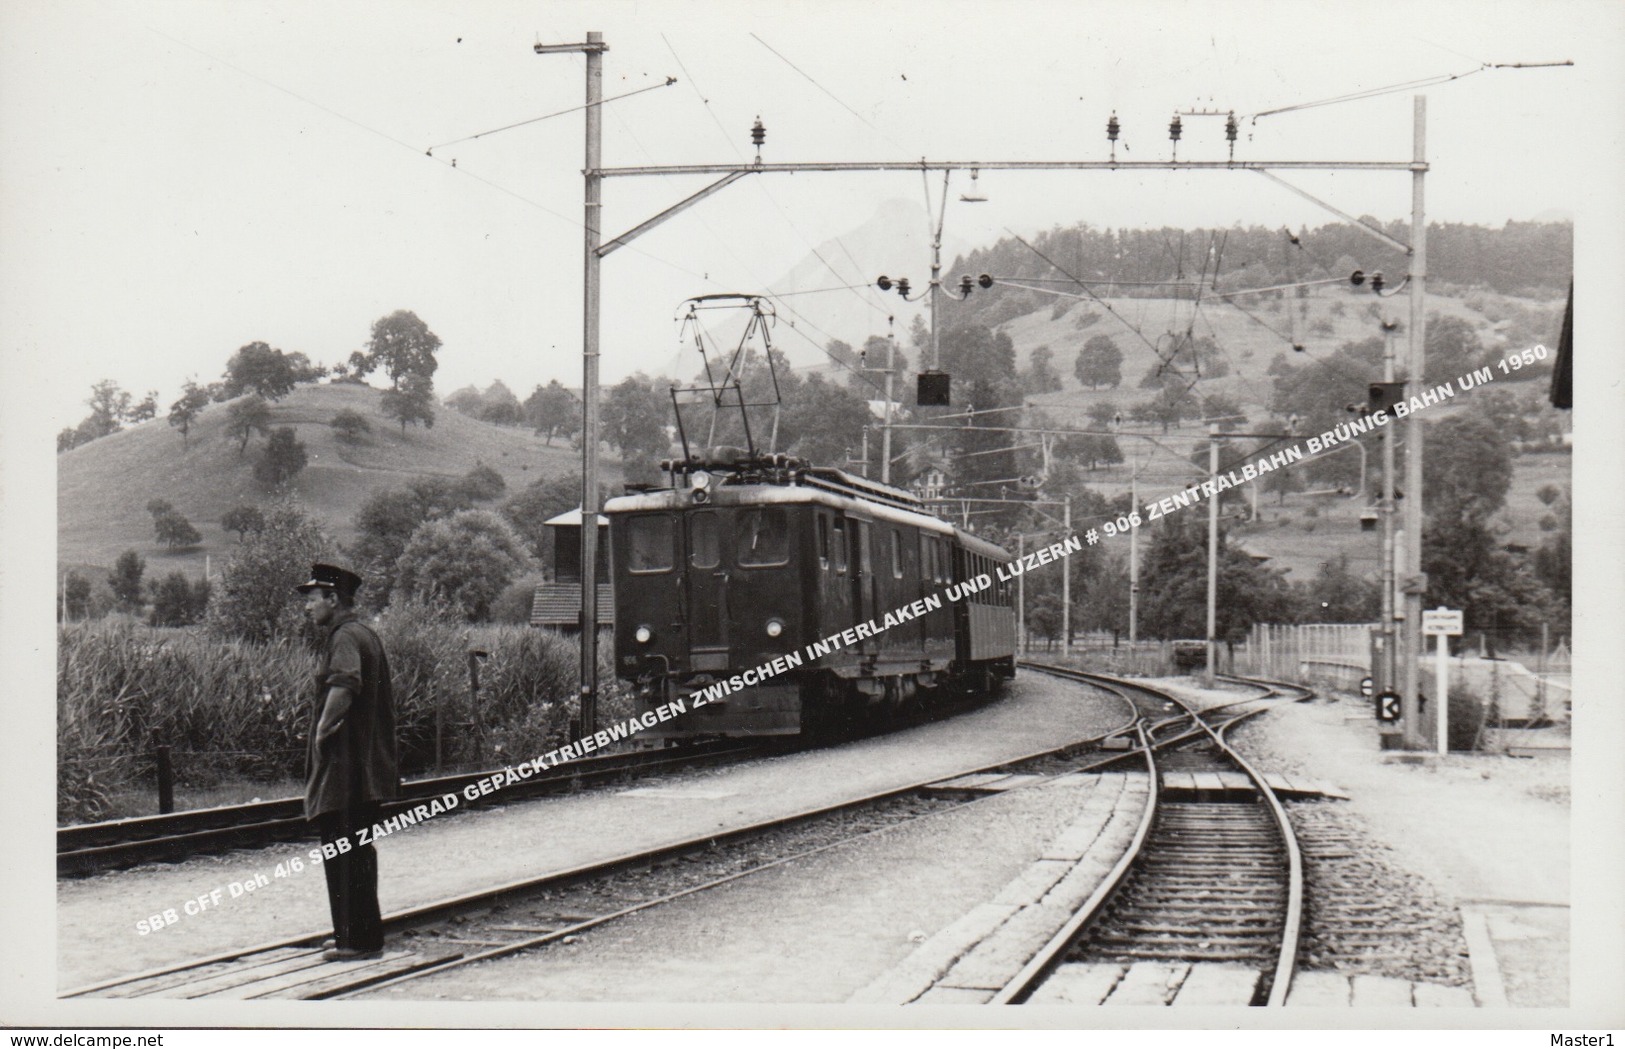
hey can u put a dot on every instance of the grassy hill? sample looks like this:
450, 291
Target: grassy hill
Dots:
103, 487
1309, 529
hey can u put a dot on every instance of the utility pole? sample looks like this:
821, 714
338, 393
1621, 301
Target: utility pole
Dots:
594, 49
1385, 673
1411, 650
1133, 558
1212, 552
1066, 585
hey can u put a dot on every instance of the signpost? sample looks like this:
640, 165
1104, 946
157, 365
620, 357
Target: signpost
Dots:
1388, 707
1442, 623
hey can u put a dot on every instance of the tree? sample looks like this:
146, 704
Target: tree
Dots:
159, 507
1468, 469
75, 596
483, 483
1223, 411
1099, 363
402, 345
125, 580
146, 408
242, 520
633, 419
109, 406
258, 368
1173, 585
1041, 377
187, 408
177, 602
1452, 349
412, 401
174, 530
283, 457
825, 421
254, 599
350, 425
466, 401
499, 405
388, 518
245, 418
466, 559
552, 410
1337, 595
528, 510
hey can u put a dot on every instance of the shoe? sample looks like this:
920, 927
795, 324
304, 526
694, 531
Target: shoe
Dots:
351, 954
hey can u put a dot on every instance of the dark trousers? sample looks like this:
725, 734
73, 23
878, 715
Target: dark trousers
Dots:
352, 879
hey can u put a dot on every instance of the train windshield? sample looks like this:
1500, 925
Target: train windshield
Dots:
650, 543
704, 545
763, 537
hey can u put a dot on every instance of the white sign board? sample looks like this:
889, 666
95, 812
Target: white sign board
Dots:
1442, 621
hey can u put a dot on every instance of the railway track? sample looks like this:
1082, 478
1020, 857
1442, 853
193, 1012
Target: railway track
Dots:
562, 905
87, 848
557, 906
1206, 906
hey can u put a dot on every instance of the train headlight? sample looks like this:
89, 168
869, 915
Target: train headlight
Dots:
775, 627
644, 635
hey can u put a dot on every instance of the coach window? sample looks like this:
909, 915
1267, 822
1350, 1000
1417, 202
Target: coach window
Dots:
704, 548
838, 549
650, 539
823, 541
763, 537
896, 555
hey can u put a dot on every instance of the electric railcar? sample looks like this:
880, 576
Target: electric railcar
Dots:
765, 563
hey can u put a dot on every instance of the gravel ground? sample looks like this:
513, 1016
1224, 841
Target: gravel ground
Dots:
1432, 840
96, 916
816, 929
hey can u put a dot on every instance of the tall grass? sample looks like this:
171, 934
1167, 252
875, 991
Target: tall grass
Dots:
240, 710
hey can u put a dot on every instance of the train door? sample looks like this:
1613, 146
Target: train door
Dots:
863, 577
707, 591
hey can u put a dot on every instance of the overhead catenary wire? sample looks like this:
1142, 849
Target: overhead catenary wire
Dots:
549, 116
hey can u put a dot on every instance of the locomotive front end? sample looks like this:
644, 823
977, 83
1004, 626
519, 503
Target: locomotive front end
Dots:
709, 609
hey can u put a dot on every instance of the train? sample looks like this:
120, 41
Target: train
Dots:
777, 598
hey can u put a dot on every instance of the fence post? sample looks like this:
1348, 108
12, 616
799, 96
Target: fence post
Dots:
166, 781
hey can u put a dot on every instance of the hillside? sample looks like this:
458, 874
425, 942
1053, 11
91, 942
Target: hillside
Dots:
103, 487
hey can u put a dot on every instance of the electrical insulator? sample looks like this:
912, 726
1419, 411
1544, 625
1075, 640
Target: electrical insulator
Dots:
985, 281
902, 286
884, 283
965, 285
758, 134
1357, 278
1376, 283
1112, 128
1175, 128
1231, 128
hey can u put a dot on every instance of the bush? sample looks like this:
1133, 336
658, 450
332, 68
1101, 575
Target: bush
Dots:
255, 599
1466, 720
514, 603
350, 425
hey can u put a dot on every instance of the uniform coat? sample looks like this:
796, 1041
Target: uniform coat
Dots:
357, 765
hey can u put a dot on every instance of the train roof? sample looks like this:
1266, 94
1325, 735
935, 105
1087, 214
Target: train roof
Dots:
811, 485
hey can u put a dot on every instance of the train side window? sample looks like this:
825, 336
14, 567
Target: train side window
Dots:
896, 555
823, 541
704, 545
838, 546
763, 537
650, 541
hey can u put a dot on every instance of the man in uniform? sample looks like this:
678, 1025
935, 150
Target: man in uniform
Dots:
352, 763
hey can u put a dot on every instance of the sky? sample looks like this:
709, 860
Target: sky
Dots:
182, 178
